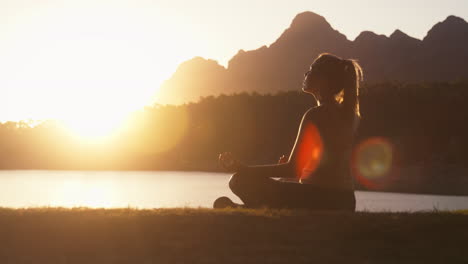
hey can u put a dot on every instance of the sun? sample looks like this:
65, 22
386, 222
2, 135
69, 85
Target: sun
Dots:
99, 117
89, 84
87, 81
94, 129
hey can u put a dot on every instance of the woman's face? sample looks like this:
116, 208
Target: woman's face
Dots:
311, 84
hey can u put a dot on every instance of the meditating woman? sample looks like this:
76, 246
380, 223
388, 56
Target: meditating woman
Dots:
316, 175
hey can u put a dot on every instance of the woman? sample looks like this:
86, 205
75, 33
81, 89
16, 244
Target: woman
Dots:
316, 175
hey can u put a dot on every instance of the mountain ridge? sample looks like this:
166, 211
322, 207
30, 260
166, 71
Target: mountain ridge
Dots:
440, 55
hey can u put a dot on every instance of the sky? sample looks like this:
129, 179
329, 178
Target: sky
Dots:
86, 61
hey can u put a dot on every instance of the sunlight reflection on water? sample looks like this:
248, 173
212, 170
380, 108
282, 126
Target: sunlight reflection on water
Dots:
112, 189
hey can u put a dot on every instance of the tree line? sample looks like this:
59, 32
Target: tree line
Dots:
425, 123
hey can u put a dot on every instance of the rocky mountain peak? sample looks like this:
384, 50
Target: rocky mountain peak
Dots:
369, 36
399, 37
451, 27
307, 20
398, 34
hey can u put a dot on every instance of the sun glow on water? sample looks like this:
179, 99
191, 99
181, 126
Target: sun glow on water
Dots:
74, 192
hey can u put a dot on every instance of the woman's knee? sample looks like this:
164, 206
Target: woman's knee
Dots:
236, 182
242, 182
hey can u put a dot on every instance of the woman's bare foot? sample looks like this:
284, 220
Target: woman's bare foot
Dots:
225, 202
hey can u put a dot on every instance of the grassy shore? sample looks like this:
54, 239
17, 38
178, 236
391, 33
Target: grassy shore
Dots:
56, 235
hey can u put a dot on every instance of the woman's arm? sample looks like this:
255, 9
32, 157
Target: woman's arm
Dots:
284, 170
288, 169
308, 147
229, 163
306, 119
270, 171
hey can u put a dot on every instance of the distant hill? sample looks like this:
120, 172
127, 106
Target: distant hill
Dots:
441, 56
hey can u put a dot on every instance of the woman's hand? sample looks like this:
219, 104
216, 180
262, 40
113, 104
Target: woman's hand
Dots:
283, 159
228, 162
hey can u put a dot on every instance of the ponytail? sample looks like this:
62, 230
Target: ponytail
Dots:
352, 78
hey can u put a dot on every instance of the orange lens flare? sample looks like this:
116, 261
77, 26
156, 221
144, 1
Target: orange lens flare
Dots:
310, 151
372, 162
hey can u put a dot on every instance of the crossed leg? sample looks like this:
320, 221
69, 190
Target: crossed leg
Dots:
256, 189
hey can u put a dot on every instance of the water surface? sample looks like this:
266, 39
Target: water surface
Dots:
157, 189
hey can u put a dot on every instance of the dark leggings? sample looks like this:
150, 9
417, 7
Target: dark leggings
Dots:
258, 190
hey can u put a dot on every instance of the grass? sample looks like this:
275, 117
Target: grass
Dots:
183, 235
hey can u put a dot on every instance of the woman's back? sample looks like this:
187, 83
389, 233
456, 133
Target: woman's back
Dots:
336, 131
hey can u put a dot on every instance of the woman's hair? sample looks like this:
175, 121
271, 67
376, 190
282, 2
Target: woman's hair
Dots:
340, 79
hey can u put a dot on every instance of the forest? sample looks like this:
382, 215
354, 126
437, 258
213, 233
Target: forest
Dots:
425, 123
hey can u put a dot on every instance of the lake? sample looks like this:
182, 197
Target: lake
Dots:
155, 189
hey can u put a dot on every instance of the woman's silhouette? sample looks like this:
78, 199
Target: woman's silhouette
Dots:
316, 175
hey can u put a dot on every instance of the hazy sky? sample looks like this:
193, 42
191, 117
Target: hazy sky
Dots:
81, 60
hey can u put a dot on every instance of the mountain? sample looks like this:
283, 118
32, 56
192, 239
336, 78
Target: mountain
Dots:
444, 51
281, 66
441, 55
382, 57
192, 79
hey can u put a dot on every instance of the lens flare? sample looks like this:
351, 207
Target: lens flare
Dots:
146, 136
372, 162
310, 150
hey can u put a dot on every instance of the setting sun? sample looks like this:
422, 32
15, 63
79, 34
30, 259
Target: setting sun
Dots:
93, 129
83, 81
69, 64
